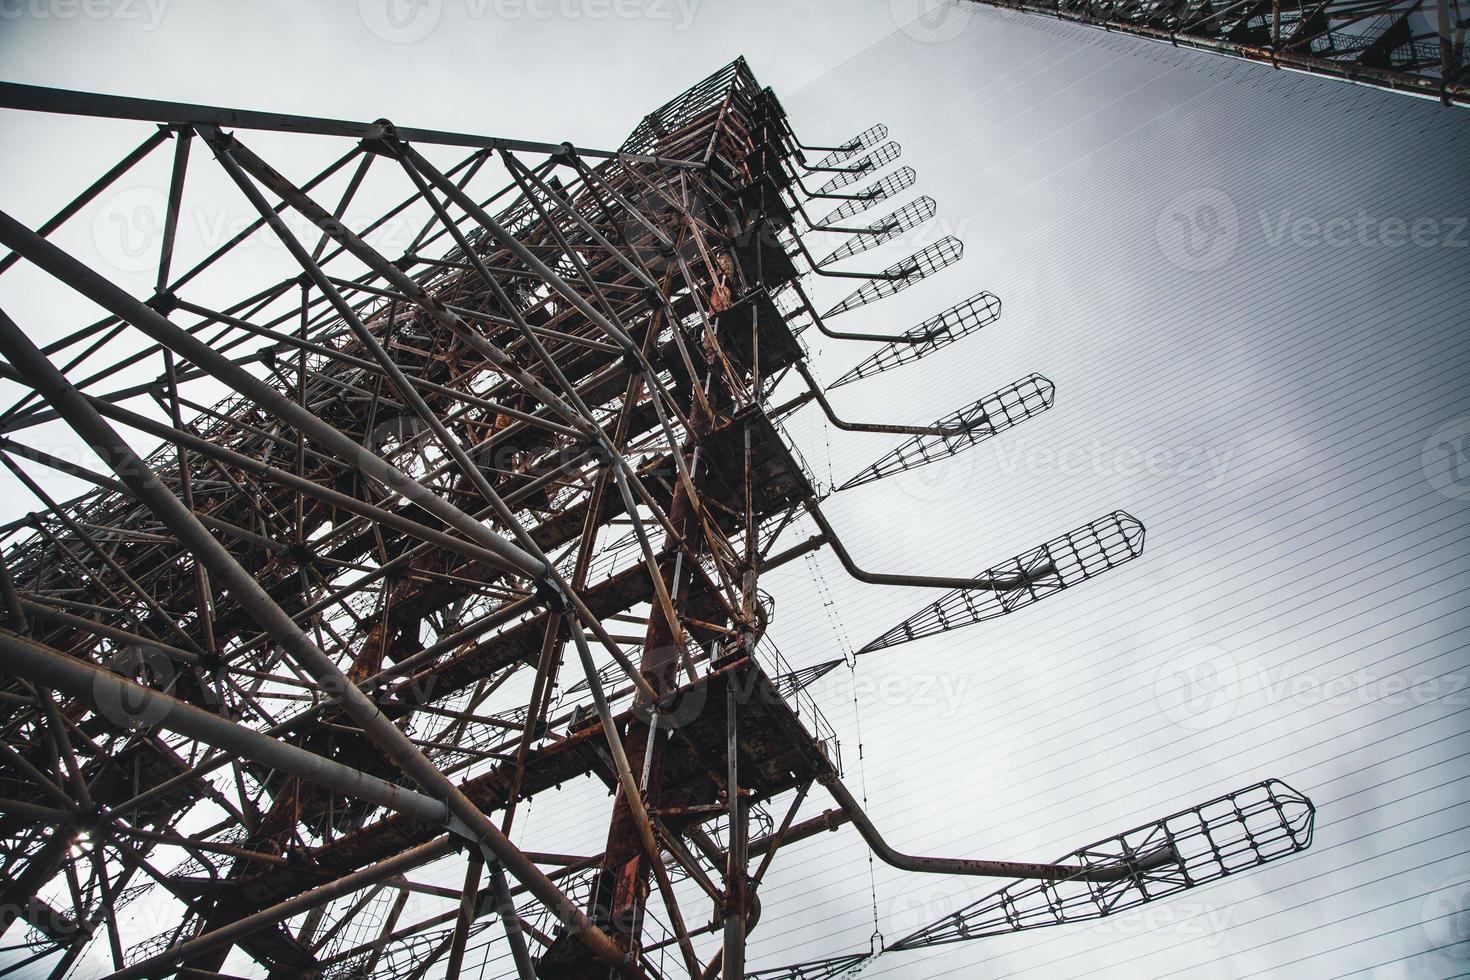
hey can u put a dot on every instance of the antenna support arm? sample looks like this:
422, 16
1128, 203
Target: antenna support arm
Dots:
989, 869
901, 430
990, 583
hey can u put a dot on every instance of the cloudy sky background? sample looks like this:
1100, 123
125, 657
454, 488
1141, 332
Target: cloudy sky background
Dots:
1274, 385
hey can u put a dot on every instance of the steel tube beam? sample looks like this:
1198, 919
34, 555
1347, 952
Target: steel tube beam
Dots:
985, 869
631, 793
877, 338
103, 292
168, 961
387, 518
901, 430
991, 584
517, 248
733, 964
515, 936
545, 572
100, 688
235, 155
469, 911
144, 485
38, 98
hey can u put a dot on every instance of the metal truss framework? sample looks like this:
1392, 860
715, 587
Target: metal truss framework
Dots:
1413, 46
476, 517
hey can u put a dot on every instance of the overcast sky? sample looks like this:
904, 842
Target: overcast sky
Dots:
1250, 289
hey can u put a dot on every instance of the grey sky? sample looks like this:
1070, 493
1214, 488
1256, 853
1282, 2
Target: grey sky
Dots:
1266, 397
1264, 378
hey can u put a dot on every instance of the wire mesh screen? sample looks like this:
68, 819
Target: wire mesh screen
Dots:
1223, 836
940, 330
903, 274
906, 218
868, 137
895, 183
988, 416
869, 164
1231, 833
1058, 564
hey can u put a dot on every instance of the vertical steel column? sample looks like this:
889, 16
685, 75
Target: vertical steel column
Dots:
514, 934
623, 878
469, 910
736, 899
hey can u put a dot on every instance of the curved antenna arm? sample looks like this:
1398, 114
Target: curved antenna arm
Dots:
795, 202
989, 869
880, 338
902, 430
816, 267
825, 170
991, 583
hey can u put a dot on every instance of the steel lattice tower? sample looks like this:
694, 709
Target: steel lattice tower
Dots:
478, 518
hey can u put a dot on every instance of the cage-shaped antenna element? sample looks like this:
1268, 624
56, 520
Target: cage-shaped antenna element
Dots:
900, 180
1227, 835
903, 274
908, 217
871, 136
789, 683
973, 424
847, 965
1049, 568
940, 330
869, 164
